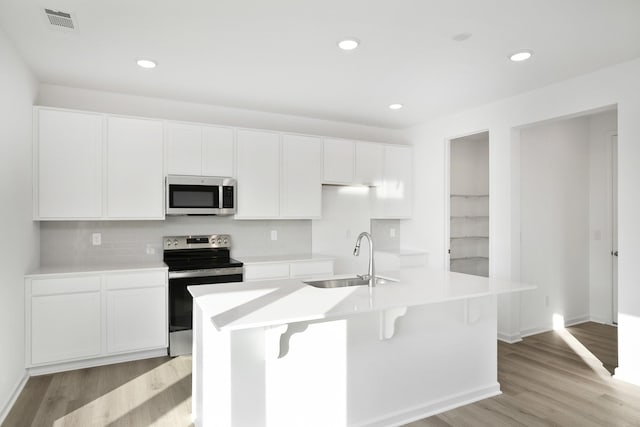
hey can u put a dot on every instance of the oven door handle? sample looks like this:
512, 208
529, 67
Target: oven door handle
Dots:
205, 272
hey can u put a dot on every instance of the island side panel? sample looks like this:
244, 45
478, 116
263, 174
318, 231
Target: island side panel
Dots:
340, 373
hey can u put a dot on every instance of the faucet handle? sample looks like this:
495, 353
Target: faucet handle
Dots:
363, 276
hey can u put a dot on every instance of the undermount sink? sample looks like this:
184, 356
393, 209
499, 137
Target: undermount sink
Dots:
346, 281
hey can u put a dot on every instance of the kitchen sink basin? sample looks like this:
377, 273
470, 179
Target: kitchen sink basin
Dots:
346, 281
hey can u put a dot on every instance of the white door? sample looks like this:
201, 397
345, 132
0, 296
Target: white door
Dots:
69, 165
136, 319
135, 180
392, 199
184, 149
369, 163
614, 226
338, 161
258, 174
217, 151
301, 177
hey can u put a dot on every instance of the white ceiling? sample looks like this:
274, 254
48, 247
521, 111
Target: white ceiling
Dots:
281, 55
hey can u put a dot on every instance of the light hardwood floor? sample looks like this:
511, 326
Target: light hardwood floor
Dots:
551, 379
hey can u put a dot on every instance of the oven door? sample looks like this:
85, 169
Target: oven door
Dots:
181, 301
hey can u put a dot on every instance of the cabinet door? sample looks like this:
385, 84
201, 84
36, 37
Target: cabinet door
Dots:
338, 161
136, 319
69, 165
184, 149
65, 326
217, 151
369, 163
302, 177
135, 186
258, 174
393, 199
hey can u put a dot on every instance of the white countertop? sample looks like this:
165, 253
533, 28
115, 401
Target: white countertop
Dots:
236, 306
267, 259
97, 268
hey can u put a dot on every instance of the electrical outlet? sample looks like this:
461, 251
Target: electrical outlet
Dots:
392, 232
546, 301
150, 249
274, 234
96, 239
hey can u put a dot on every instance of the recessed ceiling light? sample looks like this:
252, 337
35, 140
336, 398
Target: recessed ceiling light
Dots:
146, 63
395, 106
348, 44
461, 37
521, 56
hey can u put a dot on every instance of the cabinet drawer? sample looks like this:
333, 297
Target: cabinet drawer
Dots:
65, 285
266, 271
136, 280
311, 268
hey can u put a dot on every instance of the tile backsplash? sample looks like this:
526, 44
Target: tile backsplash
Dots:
69, 243
386, 233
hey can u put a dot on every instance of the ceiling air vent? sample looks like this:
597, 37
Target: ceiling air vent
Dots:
60, 20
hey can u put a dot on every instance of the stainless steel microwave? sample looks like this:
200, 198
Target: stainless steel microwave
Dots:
200, 195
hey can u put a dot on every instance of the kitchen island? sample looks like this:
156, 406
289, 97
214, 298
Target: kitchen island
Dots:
283, 353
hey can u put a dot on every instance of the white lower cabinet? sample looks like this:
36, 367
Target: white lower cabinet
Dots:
79, 317
136, 312
65, 319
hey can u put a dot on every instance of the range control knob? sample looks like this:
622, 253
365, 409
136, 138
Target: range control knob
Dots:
219, 240
175, 243
168, 242
226, 241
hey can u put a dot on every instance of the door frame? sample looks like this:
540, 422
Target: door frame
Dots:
447, 195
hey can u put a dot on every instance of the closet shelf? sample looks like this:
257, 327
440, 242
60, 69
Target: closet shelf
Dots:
469, 237
469, 195
469, 216
470, 258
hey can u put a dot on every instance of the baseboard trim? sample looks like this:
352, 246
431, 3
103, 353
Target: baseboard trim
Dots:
100, 361
509, 338
6, 408
549, 327
433, 407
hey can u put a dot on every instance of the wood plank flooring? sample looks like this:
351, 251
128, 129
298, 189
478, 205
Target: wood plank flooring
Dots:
551, 379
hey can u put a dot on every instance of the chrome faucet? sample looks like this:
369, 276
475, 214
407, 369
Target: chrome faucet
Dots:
356, 251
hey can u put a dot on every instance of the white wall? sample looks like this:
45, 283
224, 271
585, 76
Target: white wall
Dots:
601, 128
554, 205
19, 243
614, 85
117, 103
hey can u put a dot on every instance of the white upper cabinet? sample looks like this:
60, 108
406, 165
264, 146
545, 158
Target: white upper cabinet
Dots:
184, 149
217, 151
258, 171
135, 179
199, 150
338, 161
301, 177
68, 165
369, 163
394, 197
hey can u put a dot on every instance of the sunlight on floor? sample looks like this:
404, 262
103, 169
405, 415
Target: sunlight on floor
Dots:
587, 356
123, 405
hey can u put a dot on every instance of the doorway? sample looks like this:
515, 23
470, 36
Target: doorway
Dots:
568, 228
469, 204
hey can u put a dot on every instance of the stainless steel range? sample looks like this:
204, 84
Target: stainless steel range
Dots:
194, 260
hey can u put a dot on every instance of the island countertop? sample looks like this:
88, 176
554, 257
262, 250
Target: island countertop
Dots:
237, 306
